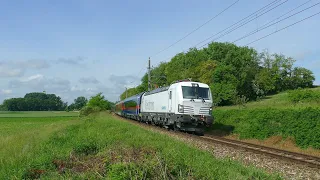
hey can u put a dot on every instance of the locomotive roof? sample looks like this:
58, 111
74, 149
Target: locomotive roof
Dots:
130, 98
167, 87
157, 90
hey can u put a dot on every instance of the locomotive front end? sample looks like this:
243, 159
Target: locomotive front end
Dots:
194, 108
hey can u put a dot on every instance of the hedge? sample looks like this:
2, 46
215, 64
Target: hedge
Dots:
302, 124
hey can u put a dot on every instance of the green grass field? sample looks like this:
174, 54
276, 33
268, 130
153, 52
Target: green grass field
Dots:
22, 133
22, 114
104, 147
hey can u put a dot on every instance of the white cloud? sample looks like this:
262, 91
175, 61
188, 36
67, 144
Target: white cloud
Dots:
18, 68
71, 61
39, 82
7, 71
88, 80
34, 63
5, 91
124, 81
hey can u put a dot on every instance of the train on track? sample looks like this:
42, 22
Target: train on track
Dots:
185, 105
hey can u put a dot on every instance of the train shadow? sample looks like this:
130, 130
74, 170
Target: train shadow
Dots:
219, 129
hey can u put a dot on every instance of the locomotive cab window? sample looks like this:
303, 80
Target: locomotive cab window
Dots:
194, 92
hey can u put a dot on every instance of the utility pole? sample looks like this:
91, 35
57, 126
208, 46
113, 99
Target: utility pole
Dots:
126, 92
149, 76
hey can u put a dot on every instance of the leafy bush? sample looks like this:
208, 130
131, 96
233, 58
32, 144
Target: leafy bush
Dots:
302, 124
99, 101
89, 110
304, 95
96, 103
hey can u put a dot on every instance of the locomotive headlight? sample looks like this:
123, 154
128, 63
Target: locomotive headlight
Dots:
210, 111
180, 108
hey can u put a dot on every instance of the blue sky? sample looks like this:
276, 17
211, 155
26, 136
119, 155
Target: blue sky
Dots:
82, 47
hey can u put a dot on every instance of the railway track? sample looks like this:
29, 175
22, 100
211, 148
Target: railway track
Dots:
308, 160
311, 161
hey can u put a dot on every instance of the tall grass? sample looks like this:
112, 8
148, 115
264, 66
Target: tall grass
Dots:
104, 147
19, 137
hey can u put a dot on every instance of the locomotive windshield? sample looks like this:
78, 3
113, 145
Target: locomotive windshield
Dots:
189, 92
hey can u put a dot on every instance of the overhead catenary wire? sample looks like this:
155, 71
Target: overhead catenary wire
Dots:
237, 27
137, 74
269, 25
250, 15
283, 28
261, 10
196, 29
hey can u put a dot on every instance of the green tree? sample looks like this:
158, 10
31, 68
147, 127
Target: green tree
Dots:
232, 72
204, 71
99, 101
302, 77
80, 102
264, 81
35, 102
158, 75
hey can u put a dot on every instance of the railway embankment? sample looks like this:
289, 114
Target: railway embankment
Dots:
292, 129
287, 168
288, 120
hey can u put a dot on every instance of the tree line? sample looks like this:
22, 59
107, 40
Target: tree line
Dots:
234, 73
40, 101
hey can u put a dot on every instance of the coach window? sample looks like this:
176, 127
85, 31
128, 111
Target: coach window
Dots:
170, 96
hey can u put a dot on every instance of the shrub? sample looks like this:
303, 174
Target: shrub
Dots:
302, 124
304, 95
99, 101
89, 110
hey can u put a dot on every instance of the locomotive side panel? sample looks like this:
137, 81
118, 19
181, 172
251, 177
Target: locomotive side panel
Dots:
155, 103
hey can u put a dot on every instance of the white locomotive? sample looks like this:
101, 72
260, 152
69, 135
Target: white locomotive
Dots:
184, 105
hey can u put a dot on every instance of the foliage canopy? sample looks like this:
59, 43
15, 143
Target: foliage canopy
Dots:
231, 71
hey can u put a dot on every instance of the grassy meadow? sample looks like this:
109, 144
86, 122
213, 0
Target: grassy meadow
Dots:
22, 132
23, 114
101, 146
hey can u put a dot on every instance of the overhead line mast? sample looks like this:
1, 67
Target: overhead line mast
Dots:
149, 75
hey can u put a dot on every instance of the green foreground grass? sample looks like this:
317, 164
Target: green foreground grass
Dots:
19, 137
104, 147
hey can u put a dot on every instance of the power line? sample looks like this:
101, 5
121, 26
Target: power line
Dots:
137, 74
233, 29
196, 28
269, 25
266, 6
283, 28
261, 10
